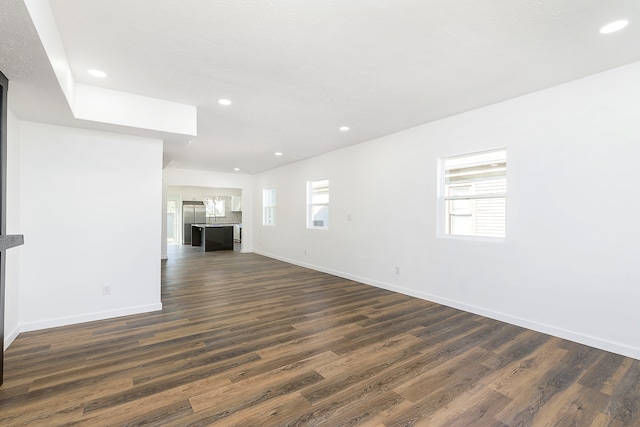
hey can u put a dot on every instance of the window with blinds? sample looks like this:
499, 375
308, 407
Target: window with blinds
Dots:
318, 204
269, 206
473, 194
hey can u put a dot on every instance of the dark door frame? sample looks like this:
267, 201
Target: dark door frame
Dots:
6, 242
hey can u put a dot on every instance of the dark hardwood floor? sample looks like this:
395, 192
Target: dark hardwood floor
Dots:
245, 340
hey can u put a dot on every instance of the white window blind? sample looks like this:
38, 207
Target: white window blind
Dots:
473, 194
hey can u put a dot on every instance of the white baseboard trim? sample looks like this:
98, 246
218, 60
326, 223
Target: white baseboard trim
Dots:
8, 339
589, 340
89, 317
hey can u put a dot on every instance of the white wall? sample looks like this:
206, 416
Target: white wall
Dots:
176, 177
89, 213
12, 267
568, 264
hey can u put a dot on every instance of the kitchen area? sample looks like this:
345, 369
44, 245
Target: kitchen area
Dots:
208, 217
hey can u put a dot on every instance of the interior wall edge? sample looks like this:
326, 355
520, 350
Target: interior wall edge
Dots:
11, 336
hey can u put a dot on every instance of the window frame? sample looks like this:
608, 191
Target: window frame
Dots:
267, 206
443, 199
311, 205
216, 209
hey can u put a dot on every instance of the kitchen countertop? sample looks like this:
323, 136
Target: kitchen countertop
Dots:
216, 224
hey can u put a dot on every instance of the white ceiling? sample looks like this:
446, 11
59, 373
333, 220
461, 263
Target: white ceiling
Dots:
297, 70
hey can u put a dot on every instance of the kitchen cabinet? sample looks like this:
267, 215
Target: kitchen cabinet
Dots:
236, 203
212, 237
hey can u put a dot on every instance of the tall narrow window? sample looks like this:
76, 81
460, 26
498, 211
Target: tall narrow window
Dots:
318, 204
473, 194
269, 206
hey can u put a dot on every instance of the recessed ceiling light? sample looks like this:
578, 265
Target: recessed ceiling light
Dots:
614, 26
97, 73
344, 128
277, 153
236, 169
224, 102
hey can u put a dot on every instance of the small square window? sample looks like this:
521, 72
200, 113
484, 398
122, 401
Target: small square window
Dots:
215, 207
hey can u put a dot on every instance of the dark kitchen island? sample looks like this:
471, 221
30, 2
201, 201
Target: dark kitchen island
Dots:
214, 237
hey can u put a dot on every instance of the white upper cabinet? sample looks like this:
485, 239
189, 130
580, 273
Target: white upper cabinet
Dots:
236, 203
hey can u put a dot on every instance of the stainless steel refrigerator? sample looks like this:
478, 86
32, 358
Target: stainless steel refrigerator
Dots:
192, 213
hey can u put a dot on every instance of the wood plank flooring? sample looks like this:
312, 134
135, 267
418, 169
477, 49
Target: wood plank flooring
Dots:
245, 340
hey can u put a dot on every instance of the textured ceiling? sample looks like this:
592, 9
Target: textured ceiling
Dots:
297, 70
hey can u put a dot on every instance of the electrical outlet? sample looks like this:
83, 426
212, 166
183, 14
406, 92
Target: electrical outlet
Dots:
397, 270
305, 252
349, 217
106, 289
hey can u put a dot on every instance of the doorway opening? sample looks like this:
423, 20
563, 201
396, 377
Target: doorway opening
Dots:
172, 222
